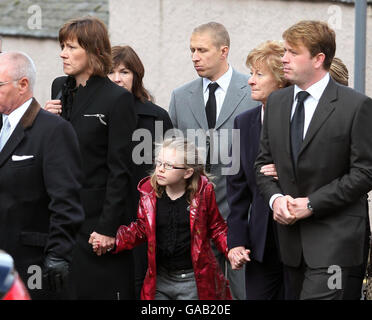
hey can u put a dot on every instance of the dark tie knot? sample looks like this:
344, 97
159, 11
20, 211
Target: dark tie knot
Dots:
301, 96
213, 87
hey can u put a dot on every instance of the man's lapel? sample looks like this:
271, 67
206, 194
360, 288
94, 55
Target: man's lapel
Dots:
19, 132
285, 121
235, 93
197, 104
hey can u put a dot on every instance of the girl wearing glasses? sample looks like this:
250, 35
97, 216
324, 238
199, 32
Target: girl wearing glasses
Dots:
178, 216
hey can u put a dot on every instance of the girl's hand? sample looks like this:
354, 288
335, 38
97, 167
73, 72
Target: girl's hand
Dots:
106, 243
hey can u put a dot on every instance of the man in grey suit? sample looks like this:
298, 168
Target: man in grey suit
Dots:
211, 103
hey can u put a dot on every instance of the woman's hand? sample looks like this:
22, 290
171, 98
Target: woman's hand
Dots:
106, 243
54, 106
238, 256
269, 170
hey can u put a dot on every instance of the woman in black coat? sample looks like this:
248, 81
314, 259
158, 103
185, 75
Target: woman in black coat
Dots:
103, 116
128, 72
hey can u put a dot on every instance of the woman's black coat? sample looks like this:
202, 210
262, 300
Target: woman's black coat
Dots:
103, 117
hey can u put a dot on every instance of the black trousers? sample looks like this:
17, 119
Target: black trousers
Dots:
267, 279
321, 283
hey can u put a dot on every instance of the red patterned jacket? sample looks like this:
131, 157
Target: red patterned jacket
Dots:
206, 223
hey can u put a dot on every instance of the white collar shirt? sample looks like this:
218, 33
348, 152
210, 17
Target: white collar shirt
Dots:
220, 93
15, 116
310, 104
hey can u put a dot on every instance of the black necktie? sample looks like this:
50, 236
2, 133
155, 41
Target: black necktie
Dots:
297, 125
211, 106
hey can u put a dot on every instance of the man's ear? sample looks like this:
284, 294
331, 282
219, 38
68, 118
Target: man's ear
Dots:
224, 51
188, 173
319, 60
24, 84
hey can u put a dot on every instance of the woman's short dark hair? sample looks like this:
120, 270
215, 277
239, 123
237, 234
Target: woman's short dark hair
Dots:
91, 34
128, 57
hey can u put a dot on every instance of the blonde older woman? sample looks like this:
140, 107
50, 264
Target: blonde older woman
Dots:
251, 230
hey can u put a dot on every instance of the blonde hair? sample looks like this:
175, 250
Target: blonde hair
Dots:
192, 159
217, 31
270, 54
316, 36
339, 72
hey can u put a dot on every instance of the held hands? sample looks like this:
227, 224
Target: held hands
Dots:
238, 256
288, 210
101, 243
54, 106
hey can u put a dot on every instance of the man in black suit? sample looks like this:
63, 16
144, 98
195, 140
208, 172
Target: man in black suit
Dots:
40, 174
320, 143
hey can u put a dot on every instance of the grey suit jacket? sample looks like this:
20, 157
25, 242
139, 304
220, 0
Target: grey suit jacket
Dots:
187, 111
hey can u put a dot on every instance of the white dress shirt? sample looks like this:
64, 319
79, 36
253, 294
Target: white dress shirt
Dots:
15, 116
316, 90
220, 93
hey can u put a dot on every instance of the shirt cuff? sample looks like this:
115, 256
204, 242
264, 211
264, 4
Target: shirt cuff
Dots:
272, 199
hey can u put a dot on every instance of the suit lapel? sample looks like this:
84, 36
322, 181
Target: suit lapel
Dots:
322, 112
286, 104
19, 132
235, 93
197, 105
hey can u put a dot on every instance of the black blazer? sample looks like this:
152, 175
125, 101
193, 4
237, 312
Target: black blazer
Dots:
104, 119
242, 192
147, 113
40, 209
334, 170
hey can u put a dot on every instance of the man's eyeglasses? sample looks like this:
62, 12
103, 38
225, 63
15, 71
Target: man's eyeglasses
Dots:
4, 83
167, 166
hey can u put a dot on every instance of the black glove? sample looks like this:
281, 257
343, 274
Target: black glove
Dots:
55, 272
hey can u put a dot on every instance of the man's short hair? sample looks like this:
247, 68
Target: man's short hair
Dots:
21, 66
316, 36
218, 32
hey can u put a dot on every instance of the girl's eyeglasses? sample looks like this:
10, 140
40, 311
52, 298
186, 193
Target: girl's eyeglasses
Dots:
167, 166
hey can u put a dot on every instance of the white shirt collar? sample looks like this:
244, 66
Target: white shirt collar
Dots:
18, 113
316, 90
223, 81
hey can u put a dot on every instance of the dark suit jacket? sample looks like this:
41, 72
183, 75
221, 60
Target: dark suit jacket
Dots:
147, 113
106, 151
40, 209
242, 192
334, 170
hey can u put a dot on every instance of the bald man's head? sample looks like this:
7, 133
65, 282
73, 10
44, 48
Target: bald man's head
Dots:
19, 65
